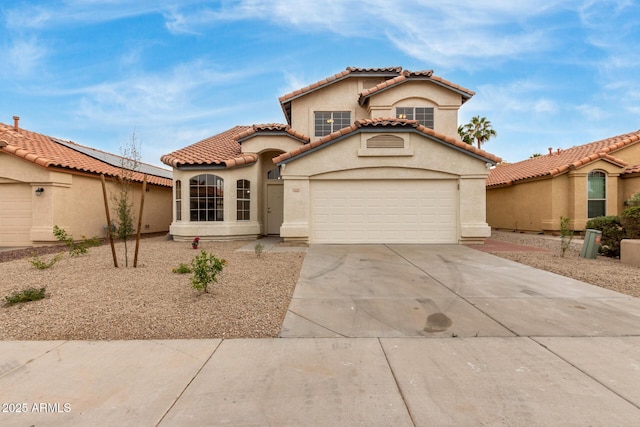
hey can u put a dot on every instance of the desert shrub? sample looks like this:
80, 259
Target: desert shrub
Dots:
182, 269
41, 264
206, 268
28, 294
630, 220
612, 233
75, 248
258, 248
634, 200
566, 234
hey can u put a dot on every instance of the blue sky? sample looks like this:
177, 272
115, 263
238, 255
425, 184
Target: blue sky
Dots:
546, 73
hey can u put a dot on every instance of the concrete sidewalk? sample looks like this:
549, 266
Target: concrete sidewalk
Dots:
514, 346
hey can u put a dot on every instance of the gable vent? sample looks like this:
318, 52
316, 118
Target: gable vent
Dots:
385, 141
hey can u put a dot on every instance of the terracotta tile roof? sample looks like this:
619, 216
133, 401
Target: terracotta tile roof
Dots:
215, 150
557, 163
50, 152
274, 128
406, 76
224, 148
394, 76
386, 123
631, 170
389, 71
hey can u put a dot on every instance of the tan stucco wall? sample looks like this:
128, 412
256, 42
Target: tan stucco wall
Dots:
187, 230
344, 95
420, 94
531, 205
76, 203
429, 159
263, 143
538, 205
630, 186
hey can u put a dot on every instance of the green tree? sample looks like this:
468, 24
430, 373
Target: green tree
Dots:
124, 220
479, 129
464, 135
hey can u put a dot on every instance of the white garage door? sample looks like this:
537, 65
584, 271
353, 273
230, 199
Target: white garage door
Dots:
15, 214
384, 211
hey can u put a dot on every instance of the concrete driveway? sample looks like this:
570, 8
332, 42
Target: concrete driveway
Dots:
445, 291
444, 336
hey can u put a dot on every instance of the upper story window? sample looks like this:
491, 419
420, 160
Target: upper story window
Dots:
424, 115
243, 200
206, 198
178, 200
596, 194
331, 121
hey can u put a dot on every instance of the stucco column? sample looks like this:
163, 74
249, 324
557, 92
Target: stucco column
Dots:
296, 211
473, 223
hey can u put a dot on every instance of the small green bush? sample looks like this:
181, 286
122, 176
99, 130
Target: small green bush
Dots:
75, 248
258, 248
630, 220
182, 269
634, 200
566, 234
41, 264
29, 294
206, 268
612, 233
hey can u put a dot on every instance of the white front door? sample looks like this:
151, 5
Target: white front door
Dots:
275, 202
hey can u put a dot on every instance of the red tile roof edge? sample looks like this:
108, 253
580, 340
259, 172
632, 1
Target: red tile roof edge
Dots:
271, 127
614, 143
29, 137
385, 122
631, 170
406, 76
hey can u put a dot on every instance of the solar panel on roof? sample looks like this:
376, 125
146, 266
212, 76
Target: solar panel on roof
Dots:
115, 160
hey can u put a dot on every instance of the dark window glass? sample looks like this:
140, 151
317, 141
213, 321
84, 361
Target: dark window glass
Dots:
326, 122
207, 198
424, 115
596, 194
243, 200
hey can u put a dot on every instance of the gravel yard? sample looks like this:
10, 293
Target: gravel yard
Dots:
89, 299
605, 272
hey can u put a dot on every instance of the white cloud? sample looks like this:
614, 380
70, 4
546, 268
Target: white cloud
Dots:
592, 112
24, 56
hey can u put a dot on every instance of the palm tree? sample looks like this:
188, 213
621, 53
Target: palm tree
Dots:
464, 135
479, 129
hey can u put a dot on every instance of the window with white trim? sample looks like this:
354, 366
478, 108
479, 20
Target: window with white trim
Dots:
424, 115
331, 121
243, 200
206, 194
596, 194
178, 200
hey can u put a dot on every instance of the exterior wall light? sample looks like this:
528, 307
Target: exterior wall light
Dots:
39, 191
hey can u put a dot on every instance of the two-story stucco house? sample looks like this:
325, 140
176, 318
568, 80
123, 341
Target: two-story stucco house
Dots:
366, 156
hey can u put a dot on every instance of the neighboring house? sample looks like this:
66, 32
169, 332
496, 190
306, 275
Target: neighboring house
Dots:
579, 183
366, 156
45, 181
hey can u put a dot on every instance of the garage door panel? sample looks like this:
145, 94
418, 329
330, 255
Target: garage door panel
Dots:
379, 211
15, 214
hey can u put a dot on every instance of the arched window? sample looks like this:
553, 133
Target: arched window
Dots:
597, 194
178, 200
206, 198
243, 199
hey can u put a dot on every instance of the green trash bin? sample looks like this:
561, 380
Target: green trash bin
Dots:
591, 243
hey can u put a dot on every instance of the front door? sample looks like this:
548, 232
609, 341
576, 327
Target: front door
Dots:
275, 202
